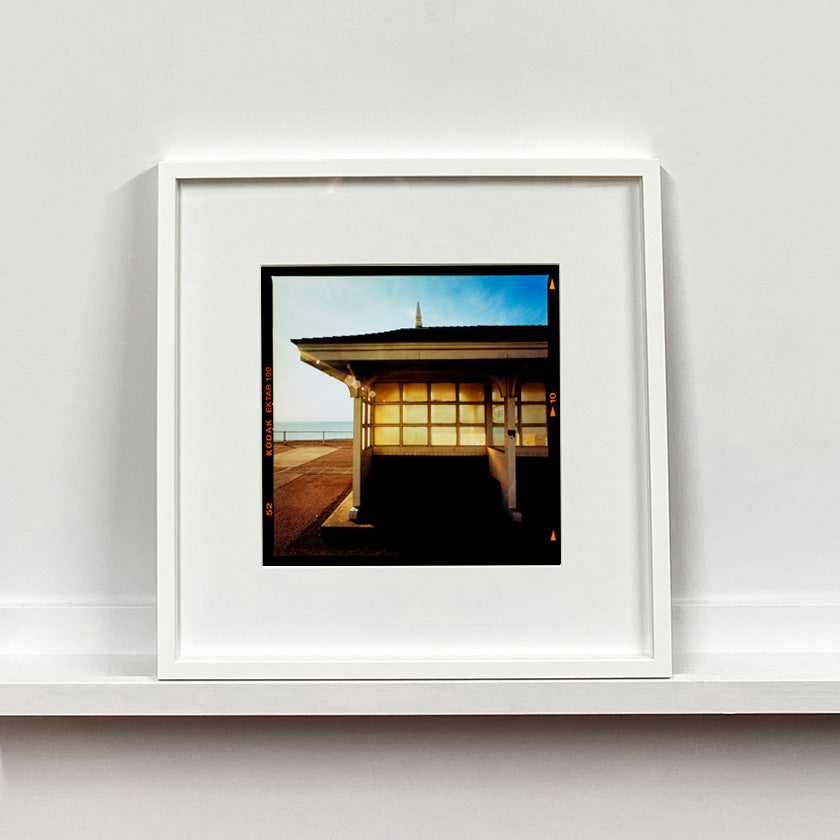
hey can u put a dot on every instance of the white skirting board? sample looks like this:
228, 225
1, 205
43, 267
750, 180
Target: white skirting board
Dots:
732, 627
98, 659
760, 626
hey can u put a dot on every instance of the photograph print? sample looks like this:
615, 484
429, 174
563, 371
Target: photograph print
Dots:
411, 415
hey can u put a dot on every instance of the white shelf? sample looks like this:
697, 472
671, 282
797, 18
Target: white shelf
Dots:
702, 684
785, 664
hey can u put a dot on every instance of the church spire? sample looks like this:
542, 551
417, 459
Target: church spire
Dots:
418, 318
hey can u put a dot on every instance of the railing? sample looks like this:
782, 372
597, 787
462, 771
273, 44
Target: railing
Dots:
335, 435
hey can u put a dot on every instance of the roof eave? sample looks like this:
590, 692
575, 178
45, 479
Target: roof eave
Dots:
382, 351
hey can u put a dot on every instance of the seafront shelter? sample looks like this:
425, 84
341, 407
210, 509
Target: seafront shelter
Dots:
477, 392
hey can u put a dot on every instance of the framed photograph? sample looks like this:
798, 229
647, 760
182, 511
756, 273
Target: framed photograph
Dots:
460, 415
411, 421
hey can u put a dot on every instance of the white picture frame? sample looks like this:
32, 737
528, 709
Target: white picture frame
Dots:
604, 612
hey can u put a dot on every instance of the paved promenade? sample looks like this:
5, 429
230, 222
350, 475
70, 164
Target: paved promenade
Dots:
308, 481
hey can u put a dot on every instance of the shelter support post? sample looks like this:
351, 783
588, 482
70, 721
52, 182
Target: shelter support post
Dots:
503, 468
357, 456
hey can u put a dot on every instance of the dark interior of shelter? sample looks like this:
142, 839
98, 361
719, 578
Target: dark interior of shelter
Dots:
444, 510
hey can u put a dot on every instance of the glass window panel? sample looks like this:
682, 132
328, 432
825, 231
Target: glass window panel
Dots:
471, 392
415, 413
443, 413
499, 414
386, 436
443, 436
387, 414
534, 436
496, 393
472, 435
387, 392
471, 413
533, 392
443, 392
415, 392
415, 436
533, 414
498, 435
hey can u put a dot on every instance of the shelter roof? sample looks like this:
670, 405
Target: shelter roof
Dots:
527, 332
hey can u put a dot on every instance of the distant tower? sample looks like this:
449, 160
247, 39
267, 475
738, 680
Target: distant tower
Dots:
418, 318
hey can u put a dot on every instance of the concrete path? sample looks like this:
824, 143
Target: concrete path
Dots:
307, 481
311, 460
284, 458
301, 502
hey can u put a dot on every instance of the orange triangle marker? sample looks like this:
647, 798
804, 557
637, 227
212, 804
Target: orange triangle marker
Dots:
551, 284
553, 412
553, 538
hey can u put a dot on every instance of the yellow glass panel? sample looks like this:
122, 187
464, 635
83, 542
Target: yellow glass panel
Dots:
415, 392
498, 435
387, 392
496, 393
386, 436
471, 413
472, 435
387, 414
534, 436
471, 392
499, 414
443, 413
443, 436
415, 413
415, 436
533, 414
533, 392
443, 392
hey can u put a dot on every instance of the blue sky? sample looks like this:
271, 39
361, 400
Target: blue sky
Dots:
308, 307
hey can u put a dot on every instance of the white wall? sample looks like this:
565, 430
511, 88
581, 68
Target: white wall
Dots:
738, 102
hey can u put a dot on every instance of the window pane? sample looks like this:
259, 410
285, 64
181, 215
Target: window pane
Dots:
386, 435
443, 436
415, 392
387, 414
471, 392
415, 413
499, 414
443, 392
415, 436
387, 392
471, 413
533, 392
498, 435
443, 413
496, 393
534, 436
472, 435
533, 414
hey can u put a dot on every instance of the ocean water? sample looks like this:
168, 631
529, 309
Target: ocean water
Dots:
313, 430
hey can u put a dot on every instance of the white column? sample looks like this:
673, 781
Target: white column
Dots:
509, 490
358, 442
